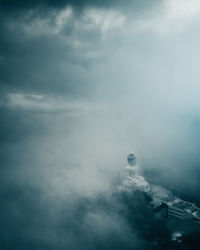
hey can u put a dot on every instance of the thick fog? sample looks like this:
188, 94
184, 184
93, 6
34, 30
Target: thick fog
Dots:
82, 85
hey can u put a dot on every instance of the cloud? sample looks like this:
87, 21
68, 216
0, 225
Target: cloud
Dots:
13, 4
104, 222
182, 9
82, 83
51, 52
41, 103
171, 17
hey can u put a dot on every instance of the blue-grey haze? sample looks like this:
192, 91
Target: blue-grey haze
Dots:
82, 83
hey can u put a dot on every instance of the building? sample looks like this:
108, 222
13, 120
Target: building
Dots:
164, 204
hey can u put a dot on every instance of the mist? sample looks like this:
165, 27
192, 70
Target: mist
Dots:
82, 85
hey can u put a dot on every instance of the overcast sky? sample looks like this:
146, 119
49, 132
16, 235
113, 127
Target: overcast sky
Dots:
83, 83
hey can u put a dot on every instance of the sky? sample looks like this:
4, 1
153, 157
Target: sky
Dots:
82, 84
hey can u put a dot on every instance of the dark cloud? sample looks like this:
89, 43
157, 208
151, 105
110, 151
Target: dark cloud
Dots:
81, 84
45, 62
22, 4
49, 61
